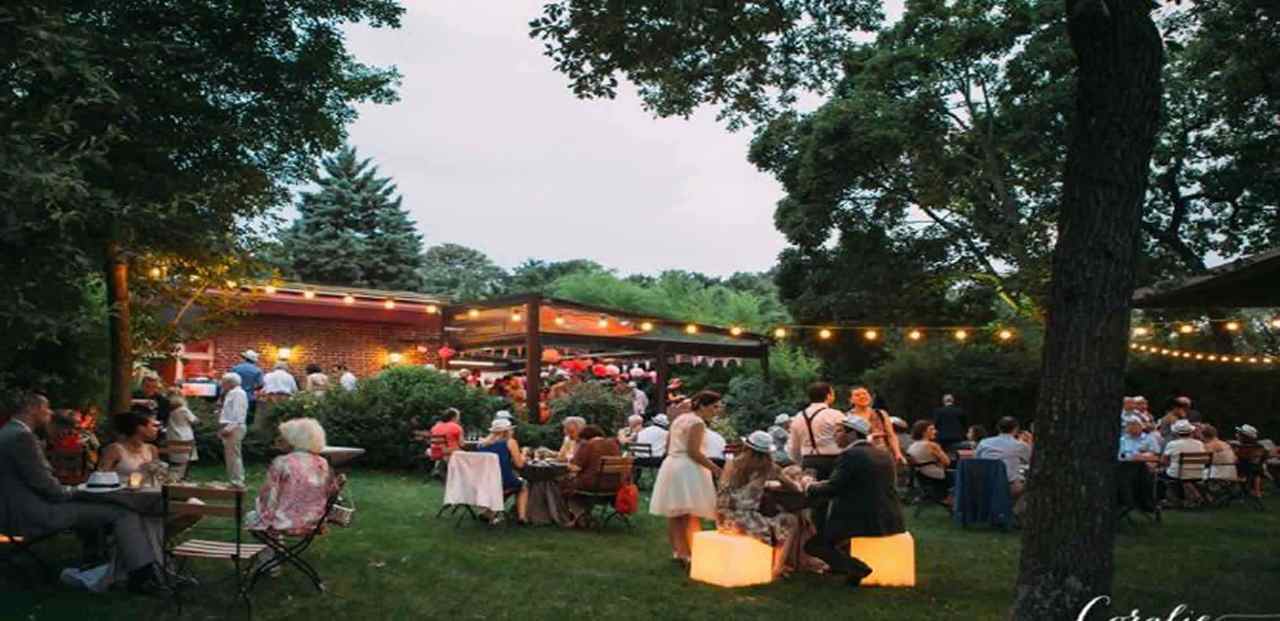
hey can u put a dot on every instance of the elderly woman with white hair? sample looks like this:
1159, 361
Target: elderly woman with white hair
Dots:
572, 428
293, 498
231, 426
628, 434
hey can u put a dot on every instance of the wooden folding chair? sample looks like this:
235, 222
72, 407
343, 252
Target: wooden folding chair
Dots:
169, 448
14, 547
1186, 464
289, 549
927, 490
615, 471
640, 454
1251, 463
227, 503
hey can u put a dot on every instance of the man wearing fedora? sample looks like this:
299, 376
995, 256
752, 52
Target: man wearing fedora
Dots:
34, 504
864, 502
251, 377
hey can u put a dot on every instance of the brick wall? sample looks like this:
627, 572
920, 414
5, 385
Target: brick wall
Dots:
364, 347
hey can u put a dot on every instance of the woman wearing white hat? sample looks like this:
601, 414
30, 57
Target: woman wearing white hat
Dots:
1183, 475
501, 441
741, 490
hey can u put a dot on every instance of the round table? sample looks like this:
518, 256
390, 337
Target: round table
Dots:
546, 504
146, 501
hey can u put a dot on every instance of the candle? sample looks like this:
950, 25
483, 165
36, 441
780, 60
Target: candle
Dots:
135, 480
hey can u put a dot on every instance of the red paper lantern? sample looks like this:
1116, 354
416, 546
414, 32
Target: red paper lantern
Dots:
550, 356
445, 352
599, 370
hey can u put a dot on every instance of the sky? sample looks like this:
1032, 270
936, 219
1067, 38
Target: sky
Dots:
491, 150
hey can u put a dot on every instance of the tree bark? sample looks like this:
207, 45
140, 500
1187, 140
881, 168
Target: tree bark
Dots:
118, 326
1069, 528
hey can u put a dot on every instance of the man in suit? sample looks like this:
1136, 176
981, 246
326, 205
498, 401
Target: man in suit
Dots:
950, 422
864, 502
34, 503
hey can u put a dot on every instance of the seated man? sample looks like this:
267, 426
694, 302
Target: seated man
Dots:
1008, 448
1136, 446
1182, 478
655, 437
864, 501
34, 503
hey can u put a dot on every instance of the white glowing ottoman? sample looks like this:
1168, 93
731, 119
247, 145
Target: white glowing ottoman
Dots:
892, 559
730, 560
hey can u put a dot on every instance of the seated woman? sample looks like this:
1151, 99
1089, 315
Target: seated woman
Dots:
572, 428
929, 458
66, 449
741, 489
585, 468
298, 485
133, 447
1223, 466
502, 442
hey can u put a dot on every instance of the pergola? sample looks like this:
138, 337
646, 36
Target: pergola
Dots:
1251, 282
530, 322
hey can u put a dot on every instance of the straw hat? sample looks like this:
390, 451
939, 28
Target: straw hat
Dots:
759, 441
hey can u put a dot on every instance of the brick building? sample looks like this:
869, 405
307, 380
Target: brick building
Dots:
365, 329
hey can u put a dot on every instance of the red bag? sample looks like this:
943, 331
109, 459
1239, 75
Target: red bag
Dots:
627, 499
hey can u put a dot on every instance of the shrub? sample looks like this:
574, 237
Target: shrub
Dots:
377, 416
595, 402
548, 436
752, 403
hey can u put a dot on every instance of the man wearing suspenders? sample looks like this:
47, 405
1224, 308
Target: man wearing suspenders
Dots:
812, 440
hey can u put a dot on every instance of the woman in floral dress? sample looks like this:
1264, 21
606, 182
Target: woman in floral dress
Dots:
293, 497
741, 490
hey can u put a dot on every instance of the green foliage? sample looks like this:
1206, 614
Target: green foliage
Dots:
353, 230
681, 296
536, 276
549, 436
462, 273
377, 415
595, 402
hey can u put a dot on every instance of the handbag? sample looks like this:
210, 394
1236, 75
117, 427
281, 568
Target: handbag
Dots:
627, 500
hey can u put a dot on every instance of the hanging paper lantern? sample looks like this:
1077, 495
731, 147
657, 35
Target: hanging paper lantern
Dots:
612, 370
599, 370
445, 352
637, 372
550, 356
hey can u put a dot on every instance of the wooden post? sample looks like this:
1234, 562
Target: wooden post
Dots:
764, 360
533, 359
118, 328
664, 374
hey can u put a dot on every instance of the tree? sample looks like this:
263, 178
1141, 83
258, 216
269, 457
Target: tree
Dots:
737, 56
462, 273
538, 276
353, 231
217, 109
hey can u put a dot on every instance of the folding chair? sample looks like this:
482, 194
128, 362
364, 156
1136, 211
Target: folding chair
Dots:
982, 493
216, 503
13, 547
475, 478
169, 448
1251, 464
1189, 473
640, 454
442, 443
290, 552
928, 491
614, 472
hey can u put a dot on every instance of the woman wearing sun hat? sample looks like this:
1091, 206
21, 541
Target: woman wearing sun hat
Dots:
501, 441
741, 490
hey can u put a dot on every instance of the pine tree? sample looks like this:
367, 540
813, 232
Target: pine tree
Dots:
353, 230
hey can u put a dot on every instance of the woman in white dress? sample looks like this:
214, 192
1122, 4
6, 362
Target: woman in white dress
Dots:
685, 492
180, 429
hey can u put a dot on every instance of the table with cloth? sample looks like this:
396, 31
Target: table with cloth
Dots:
546, 503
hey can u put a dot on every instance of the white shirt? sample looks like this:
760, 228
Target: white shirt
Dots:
1184, 445
825, 420
639, 402
348, 380
235, 408
179, 428
655, 437
279, 382
712, 444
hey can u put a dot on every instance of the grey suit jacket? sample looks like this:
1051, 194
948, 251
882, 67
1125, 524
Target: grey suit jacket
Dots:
29, 493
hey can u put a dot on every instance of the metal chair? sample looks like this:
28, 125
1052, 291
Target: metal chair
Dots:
614, 473
290, 552
213, 503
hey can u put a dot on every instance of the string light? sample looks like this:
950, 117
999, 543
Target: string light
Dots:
603, 322
515, 315
269, 290
231, 284
691, 329
156, 272
348, 299
473, 313
1005, 334
1275, 323
824, 334
559, 320
625, 322
389, 304
736, 331
1140, 331
395, 357
1186, 328
646, 326
870, 335
780, 333
432, 309
309, 294
914, 335
1232, 326
961, 335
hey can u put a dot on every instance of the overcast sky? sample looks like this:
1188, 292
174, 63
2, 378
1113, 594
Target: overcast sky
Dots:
491, 150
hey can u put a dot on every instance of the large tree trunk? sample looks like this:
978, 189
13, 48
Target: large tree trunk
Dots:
1069, 530
117, 272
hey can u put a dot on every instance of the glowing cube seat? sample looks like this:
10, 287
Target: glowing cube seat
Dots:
892, 559
730, 560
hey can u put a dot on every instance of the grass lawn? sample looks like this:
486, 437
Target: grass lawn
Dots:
399, 562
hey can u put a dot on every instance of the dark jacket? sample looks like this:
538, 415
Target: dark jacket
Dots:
29, 493
864, 499
951, 423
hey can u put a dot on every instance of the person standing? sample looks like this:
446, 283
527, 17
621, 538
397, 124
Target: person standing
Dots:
778, 431
181, 429
250, 381
882, 435
685, 491
231, 426
812, 442
346, 379
951, 423
864, 501
279, 382
151, 399
317, 381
